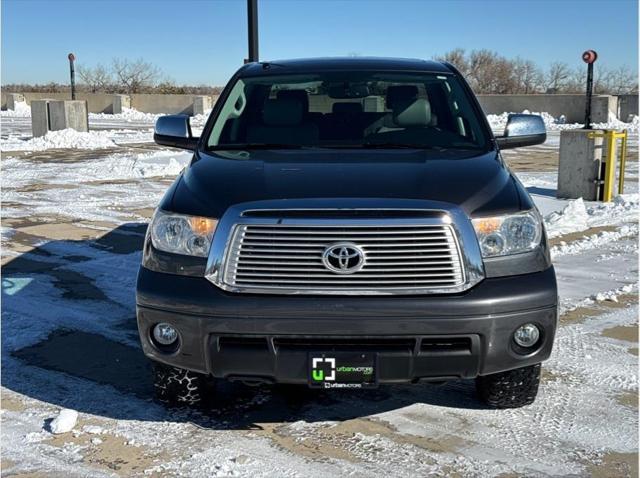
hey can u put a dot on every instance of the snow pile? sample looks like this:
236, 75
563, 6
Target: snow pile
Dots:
143, 165
64, 422
115, 167
612, 295
66, 138
576, 216
131, 115
572, 218
114, 187
498, 122
623, 208
22, 110
200, 120
128, 115
615, 123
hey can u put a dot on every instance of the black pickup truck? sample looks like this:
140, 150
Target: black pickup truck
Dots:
346, 223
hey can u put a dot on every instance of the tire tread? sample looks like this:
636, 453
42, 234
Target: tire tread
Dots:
176, 386
510, 389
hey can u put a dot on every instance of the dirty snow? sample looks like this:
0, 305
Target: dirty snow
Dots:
91, 190
594, 241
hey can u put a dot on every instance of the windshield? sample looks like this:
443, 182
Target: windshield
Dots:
348, 110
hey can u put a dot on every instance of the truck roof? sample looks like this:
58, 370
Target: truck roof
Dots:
301, 65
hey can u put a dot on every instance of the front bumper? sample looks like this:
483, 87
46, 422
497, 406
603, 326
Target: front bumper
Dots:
267, 337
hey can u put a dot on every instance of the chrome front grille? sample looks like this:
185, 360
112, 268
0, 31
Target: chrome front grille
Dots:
288, 258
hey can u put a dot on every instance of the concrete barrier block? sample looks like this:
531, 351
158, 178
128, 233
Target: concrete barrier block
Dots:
12, 99
201, 104
39, 117
580, 164
120, 102
603, 107
68, 114
627, 107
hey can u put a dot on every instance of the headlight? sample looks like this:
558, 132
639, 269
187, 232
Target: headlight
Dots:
505, 235
180, 234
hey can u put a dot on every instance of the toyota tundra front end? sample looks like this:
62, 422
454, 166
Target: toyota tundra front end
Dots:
346, 223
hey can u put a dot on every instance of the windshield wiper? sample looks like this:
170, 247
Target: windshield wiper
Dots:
247, 146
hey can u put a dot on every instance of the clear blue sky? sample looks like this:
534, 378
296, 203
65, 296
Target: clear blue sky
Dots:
204, 41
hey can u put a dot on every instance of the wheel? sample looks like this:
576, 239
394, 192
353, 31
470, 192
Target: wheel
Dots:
511, 389
176, 386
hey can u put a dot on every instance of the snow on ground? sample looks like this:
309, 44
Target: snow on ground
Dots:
594, 241
128, 115
563, 216
66, 138
531, 443
599, 265
565, 429
22, 110
99, 136
109, 188
576, 216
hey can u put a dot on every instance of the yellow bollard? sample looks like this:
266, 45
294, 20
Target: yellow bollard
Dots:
609, 179
623, 160
610, 166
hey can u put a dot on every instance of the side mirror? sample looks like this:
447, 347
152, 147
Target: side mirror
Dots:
175, 131
522, 130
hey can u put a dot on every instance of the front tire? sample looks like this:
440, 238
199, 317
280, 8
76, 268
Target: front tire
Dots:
175, 386
510, 389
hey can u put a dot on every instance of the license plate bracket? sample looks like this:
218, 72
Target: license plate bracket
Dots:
342, 369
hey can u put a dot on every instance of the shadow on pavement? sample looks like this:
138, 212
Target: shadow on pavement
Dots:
70, 339
542, 191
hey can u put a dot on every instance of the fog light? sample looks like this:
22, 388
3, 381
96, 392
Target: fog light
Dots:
165, 334
527, 335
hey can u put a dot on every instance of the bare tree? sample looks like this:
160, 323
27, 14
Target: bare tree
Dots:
133, 76
168, 86
486, 71
96, 79
490, 73
457, 58
577, 81
557, 77
480, 65
622, 81
602, 79
527, 75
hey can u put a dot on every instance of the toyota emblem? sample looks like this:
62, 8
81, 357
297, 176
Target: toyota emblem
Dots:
343, 258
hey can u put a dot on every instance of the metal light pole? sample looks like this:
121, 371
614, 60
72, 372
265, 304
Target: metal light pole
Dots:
589, 57
72, 71
252, 23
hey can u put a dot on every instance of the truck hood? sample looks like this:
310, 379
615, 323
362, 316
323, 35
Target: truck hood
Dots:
479, 184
